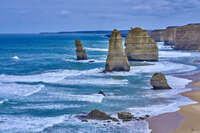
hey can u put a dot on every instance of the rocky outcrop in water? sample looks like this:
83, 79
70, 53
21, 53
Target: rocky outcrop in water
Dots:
140, 46
125, 116
80, 52
159, 82
116, 59
188, 37
97, 115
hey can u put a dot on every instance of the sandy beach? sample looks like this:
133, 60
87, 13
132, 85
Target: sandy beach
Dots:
187, 119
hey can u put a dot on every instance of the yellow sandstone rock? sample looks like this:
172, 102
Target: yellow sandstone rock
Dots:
140, 46
116, 59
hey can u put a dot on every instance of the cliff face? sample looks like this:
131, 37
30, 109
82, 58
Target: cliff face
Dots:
80, 52
116, 59
182, 37
170, 35
158, 35
188, 37
140, 46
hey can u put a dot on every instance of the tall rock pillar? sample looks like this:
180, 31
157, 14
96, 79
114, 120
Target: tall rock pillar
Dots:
116, 59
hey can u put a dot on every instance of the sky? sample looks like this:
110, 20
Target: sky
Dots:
33, 16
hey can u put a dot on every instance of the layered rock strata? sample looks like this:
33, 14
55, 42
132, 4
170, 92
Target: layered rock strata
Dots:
170, 35
182, 37
140, 46
159, 82
116, 59
80, 52
188, 37
158, 35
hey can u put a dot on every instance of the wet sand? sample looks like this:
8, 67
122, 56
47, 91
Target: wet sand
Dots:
187, 119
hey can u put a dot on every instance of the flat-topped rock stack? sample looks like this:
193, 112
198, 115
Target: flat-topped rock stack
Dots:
80, 52
140, 46
116, 59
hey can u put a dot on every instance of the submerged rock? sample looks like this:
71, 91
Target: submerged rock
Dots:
125, 116
102, 93
116, 59
159, 82
98, 115
80, 52
140, 46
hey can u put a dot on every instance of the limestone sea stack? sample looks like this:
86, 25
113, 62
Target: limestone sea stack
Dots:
80, 52
140, 46
116, 59
159, 82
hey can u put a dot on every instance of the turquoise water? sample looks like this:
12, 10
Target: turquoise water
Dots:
43, 88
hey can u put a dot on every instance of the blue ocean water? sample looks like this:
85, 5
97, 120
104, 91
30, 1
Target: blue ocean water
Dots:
43, 88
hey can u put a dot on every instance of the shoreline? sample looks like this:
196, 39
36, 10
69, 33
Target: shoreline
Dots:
186, 119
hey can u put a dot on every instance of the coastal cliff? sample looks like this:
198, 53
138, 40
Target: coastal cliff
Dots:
182, 37
140, 46
80, 52
188, 37
170, 35
116, 59
158, 35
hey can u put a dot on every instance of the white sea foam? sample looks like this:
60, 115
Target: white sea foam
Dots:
97, 49
15, 57
12, 89
24, 124
154, 110
93, 81
96, 98
174, 54
49, 106
175, 100
3, 101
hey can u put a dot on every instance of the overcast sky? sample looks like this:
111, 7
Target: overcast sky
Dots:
20, 16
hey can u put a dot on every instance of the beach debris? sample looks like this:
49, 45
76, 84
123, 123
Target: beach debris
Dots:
125, 116
116, 59
101, 92
140, 46
80, 52
159, 82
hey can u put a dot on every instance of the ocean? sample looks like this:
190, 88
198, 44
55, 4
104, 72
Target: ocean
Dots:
43, 87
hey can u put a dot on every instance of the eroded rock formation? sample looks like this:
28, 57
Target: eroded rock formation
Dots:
159, 82
170, 35
140, 46
158, 35
188, 37
116, 59
182, 37
125, 116
80, 52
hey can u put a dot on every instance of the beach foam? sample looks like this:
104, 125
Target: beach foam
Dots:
15, 57
97, 49
13, 89
24, 124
